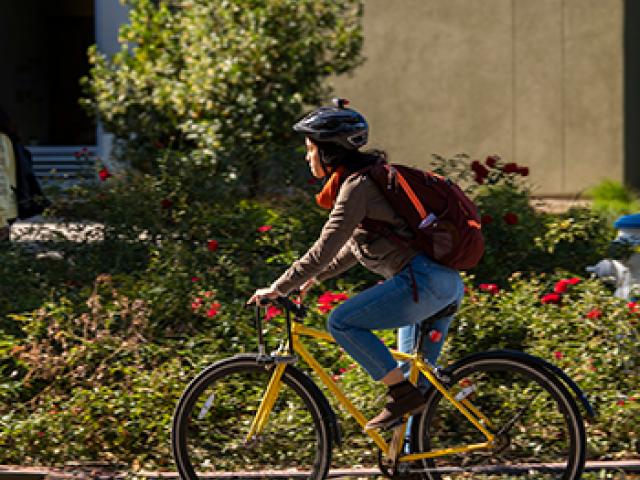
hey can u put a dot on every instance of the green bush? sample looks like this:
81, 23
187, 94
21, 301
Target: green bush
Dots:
614, 199
221, 82
94, 341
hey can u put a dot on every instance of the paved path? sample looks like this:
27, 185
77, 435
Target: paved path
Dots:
627, 468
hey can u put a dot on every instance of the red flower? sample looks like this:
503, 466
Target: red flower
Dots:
166, 203
479, 179
510, 218
77, 154
328, 300
524, 171
208, 294
264, 228
558, 355
551, 298
573, 281
561, 286
511, 168
212, 245
104, 174
272, 312
195, 279
481, 170
489, 287
196, 304
491, 161
486, 219
435, 336
325, 308
213, 310
633, 307
620, 402
594, 314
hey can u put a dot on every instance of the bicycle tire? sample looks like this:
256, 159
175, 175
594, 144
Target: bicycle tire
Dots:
547, 438
213, 415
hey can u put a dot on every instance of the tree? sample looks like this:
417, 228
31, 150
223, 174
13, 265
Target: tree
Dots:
221, 82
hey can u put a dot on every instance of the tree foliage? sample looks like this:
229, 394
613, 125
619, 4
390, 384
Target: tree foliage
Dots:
220, 81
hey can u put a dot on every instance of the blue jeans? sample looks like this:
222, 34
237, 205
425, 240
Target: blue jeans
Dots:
391, 305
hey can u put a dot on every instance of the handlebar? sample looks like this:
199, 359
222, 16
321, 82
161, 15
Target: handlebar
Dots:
299, 310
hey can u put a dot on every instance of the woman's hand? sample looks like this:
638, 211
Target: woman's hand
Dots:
306, 286
269, 293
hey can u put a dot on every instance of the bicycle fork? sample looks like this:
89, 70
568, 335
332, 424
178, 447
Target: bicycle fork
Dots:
267, 402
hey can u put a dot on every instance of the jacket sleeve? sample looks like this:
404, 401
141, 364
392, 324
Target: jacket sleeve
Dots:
343, 262
347, 213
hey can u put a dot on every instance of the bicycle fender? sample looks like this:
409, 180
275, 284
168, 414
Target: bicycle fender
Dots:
540, 363
310, 385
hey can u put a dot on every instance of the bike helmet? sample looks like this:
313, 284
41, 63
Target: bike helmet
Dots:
335, 125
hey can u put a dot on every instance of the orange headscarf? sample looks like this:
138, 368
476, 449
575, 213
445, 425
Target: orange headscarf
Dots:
327, 197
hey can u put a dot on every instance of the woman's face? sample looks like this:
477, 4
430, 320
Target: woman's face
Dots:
313, 157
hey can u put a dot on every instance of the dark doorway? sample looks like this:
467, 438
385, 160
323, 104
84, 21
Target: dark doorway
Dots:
632, 92
44, 50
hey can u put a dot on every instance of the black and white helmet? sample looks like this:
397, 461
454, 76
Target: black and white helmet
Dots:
338, 125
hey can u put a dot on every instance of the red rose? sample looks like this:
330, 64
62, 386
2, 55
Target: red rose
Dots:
594, 314
479, 179
486, 219
491, 161
524, 171
213, 310
510, 168
195, 279
272, 312
510, 218
633, 307
264, 228
573, 281
104, 174
166, 203
481, 170
551, 298
561, 286
325, 308
489, 287
558, 355
212, 245
435, 336
620, 402
195, 305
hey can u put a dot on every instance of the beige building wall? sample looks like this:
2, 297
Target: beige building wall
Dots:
538, 82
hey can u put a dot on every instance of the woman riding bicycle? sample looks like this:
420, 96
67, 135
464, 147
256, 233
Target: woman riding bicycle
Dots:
415, 286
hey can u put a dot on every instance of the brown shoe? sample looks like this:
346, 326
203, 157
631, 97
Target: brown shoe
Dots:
402, 398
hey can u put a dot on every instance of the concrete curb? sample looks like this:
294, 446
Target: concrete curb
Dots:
13, 472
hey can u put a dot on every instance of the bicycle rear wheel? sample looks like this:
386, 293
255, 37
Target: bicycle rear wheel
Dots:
539, 428
214, 414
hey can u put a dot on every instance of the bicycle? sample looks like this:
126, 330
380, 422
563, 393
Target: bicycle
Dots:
493, 413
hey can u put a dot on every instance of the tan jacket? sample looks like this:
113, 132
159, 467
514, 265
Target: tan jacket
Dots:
343, 243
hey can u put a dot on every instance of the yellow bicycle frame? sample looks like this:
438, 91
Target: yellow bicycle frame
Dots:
390, 450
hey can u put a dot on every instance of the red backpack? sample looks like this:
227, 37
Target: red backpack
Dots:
444, 220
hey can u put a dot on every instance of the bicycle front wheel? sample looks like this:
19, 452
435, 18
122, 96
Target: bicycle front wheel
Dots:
214, 415
538, 427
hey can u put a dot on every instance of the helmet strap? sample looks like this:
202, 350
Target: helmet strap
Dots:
324, 165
